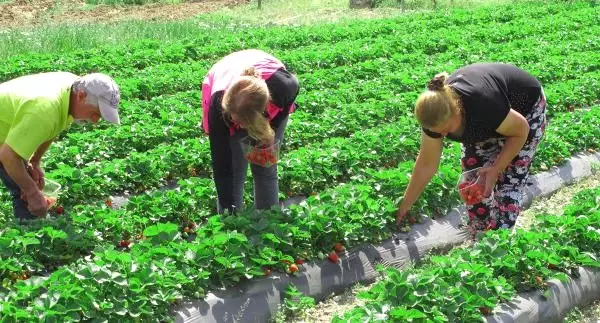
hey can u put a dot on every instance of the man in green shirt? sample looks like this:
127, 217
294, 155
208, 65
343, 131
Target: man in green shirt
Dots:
35, 109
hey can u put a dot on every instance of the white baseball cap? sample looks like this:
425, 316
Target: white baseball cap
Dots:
107, 92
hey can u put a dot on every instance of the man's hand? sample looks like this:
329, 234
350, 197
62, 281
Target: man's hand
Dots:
36, 203
37, 173
17, 169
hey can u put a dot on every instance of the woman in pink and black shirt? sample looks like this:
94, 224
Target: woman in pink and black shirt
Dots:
246, 93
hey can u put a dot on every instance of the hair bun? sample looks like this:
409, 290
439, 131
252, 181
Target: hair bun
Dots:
437, 82
251, 71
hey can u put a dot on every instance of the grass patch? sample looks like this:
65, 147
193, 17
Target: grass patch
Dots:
71, 37
66, 37
316, 11
300, 12
436, 4
587, 314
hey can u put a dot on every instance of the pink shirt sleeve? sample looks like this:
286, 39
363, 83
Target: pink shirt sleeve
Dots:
206, 94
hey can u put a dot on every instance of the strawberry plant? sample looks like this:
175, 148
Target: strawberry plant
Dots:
468, 283
295, 304
349, 147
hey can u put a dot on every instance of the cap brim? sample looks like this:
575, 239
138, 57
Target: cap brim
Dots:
109, 113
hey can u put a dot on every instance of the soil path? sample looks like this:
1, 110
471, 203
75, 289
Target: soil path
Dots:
21, 13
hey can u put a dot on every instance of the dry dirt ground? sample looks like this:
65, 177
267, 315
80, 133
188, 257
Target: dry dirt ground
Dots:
15, 13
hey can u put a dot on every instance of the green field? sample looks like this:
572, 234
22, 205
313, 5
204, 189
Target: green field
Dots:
350, 147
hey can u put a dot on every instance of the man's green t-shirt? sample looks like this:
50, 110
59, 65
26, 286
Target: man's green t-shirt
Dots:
34, 109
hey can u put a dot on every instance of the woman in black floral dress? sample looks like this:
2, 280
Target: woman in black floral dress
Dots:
498, 112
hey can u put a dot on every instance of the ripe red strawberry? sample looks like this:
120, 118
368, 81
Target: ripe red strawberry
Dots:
50, 201
108, 203
293, 268
333, 257
192, 225
60, 209
260, 160
471, 161
485, 310
299, 261
124, 243
338, 247
272, 160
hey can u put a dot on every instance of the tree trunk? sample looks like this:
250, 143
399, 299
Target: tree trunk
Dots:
359, 4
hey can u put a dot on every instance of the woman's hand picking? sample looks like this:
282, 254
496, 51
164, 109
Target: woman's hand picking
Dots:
400, 215
490, 174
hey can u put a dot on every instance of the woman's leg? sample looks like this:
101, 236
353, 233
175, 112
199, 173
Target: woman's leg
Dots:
509, 188
238, 171
266, 186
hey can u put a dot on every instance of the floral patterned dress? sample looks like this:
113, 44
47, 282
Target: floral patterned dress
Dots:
502, 211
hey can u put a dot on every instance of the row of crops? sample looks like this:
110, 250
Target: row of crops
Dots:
469, 282
350, 147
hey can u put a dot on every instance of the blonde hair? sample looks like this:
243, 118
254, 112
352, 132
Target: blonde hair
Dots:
438, 104
247, 98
